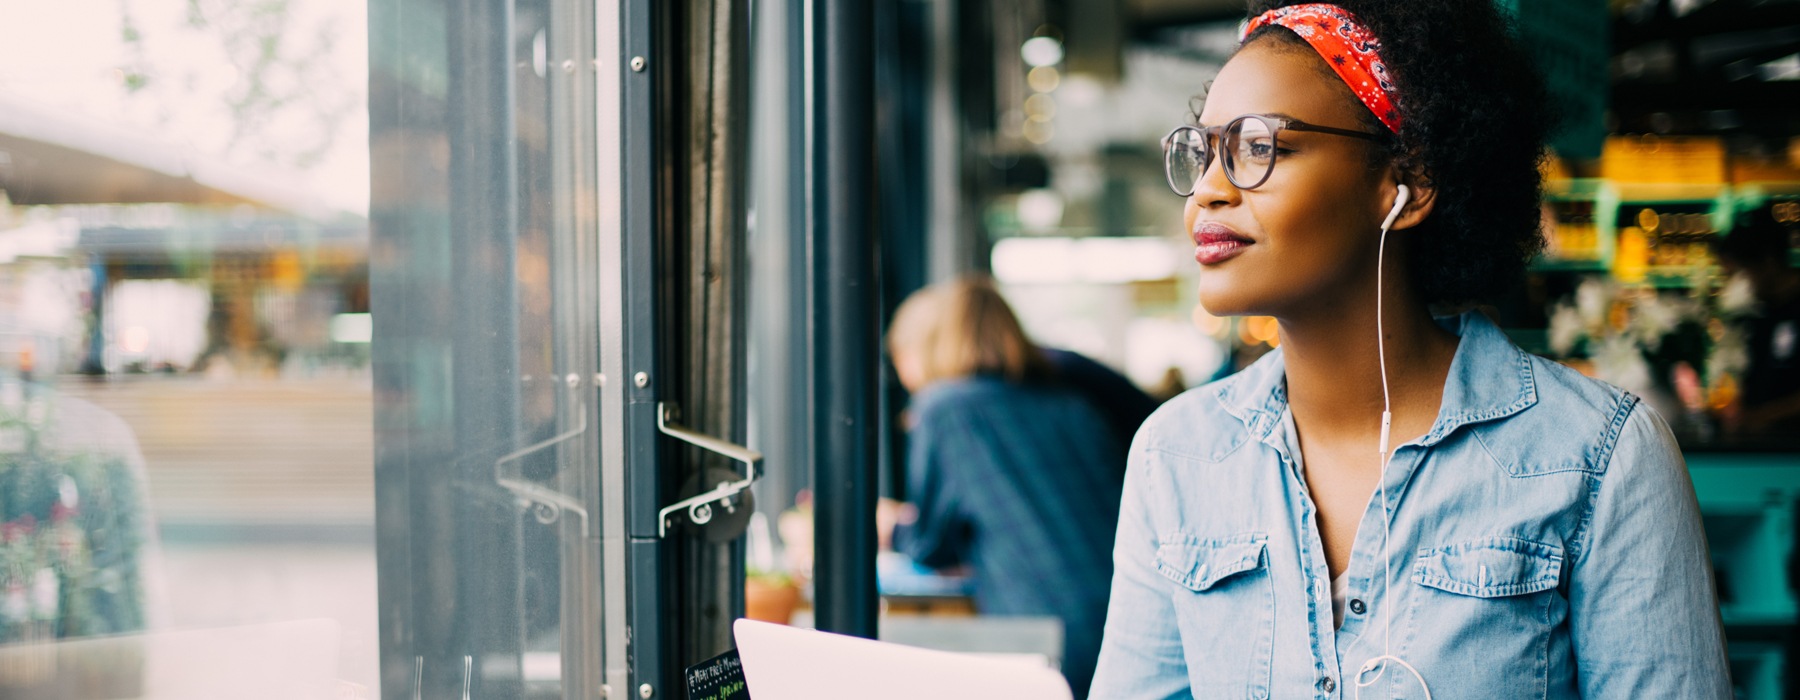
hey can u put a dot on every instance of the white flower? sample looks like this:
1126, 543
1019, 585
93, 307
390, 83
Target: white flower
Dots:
45, 593
66, 492
1730, 354
17, 606
1652, 319
1737, 297
1566, 329
1593, 298
1656, 316
1619, 362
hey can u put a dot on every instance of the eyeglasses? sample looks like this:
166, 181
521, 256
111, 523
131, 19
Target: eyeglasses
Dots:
1249, 145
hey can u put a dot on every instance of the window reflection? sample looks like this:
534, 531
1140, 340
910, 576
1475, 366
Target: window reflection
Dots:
186, 440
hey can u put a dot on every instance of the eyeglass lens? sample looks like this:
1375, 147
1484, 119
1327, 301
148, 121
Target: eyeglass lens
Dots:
1247, 142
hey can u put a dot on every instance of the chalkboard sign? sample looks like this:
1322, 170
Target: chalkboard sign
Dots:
718, 678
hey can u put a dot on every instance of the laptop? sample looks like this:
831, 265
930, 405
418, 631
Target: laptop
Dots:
789, 663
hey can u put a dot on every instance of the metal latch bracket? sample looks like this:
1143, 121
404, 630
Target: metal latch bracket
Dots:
699, 508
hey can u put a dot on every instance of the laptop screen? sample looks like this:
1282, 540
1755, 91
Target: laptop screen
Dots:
787, 663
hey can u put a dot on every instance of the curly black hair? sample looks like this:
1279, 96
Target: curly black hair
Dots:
1475, 119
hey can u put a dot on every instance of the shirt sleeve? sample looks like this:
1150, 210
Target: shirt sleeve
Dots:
1643, 566
1141, 655
939, 537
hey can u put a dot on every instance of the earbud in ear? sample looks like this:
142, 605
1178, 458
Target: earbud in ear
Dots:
1400, 197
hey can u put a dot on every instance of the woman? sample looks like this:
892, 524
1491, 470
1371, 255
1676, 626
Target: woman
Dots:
1012, 471
1531, 533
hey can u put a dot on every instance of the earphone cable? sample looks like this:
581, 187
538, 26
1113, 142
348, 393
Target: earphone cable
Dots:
1387, 420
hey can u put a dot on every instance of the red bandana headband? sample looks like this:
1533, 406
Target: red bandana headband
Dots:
1349, 47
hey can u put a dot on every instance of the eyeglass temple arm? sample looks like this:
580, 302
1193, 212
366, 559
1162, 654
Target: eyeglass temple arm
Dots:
1303, 126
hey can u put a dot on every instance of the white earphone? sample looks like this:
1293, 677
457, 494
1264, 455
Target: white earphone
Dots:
1401, 196
1378, 665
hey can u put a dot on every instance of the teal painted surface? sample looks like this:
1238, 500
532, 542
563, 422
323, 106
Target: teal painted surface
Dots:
1748, 503
1571, 43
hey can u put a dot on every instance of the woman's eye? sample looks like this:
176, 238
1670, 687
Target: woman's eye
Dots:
1262, 149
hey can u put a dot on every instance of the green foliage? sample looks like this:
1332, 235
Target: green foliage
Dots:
288, 103
71, 533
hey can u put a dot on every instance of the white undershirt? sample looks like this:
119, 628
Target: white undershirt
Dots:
1339, 586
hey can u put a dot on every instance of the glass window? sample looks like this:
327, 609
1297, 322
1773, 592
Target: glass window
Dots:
186, 415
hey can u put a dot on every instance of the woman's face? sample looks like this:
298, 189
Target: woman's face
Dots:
1307, 236
910, 369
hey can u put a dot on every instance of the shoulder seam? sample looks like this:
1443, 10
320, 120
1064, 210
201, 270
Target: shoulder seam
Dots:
1627, 404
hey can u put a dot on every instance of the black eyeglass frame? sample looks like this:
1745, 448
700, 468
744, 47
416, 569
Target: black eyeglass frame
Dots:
1209, 136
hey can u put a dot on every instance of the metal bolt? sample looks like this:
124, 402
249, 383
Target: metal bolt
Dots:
641, 379
568, 66
599, 379
573, 380
637, 66
605, 688
645, 691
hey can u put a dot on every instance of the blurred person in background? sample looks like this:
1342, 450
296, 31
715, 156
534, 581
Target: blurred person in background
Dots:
1121, 403
1757, 250
1011, 469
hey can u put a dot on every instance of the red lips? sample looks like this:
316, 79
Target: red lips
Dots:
1215, 243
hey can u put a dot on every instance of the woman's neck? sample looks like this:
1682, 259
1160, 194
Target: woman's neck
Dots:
1334, 382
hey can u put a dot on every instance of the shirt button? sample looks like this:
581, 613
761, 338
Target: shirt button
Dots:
1357, 607
1327, 685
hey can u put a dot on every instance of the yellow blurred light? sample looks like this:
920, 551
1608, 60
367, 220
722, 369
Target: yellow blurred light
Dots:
286, 271
1040, 106
1632, 260
1207, 323
1038, 131
1265, 329
1043, 78
1259, 329
1723, 393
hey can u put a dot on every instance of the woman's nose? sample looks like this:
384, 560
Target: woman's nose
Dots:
1214, 188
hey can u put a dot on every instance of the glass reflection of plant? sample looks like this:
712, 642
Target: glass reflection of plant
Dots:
71, 527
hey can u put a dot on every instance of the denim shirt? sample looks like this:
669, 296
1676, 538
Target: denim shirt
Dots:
1545, 543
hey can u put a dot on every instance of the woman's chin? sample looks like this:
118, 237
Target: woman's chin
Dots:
1223, 300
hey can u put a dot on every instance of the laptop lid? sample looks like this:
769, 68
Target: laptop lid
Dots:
788, 663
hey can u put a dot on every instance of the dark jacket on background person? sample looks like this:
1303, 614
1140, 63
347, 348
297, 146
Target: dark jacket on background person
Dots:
1119, 402
1021, 482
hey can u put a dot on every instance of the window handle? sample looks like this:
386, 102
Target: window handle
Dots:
699, 508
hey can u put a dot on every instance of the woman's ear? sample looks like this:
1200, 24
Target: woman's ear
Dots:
1421, 196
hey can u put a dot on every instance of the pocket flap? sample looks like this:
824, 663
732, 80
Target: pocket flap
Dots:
1201, 564
1492, 567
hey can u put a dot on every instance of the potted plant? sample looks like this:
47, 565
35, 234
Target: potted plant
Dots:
770, 596
770, 592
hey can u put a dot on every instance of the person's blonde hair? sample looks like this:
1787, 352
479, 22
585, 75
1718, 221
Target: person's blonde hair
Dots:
964, 327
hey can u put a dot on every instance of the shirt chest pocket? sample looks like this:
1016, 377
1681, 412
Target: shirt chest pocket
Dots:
1224, 606
1501, 591
1493, 567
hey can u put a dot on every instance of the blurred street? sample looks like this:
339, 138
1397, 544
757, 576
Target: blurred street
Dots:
263, 494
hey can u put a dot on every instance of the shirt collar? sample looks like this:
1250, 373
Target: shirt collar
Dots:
1489, 378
